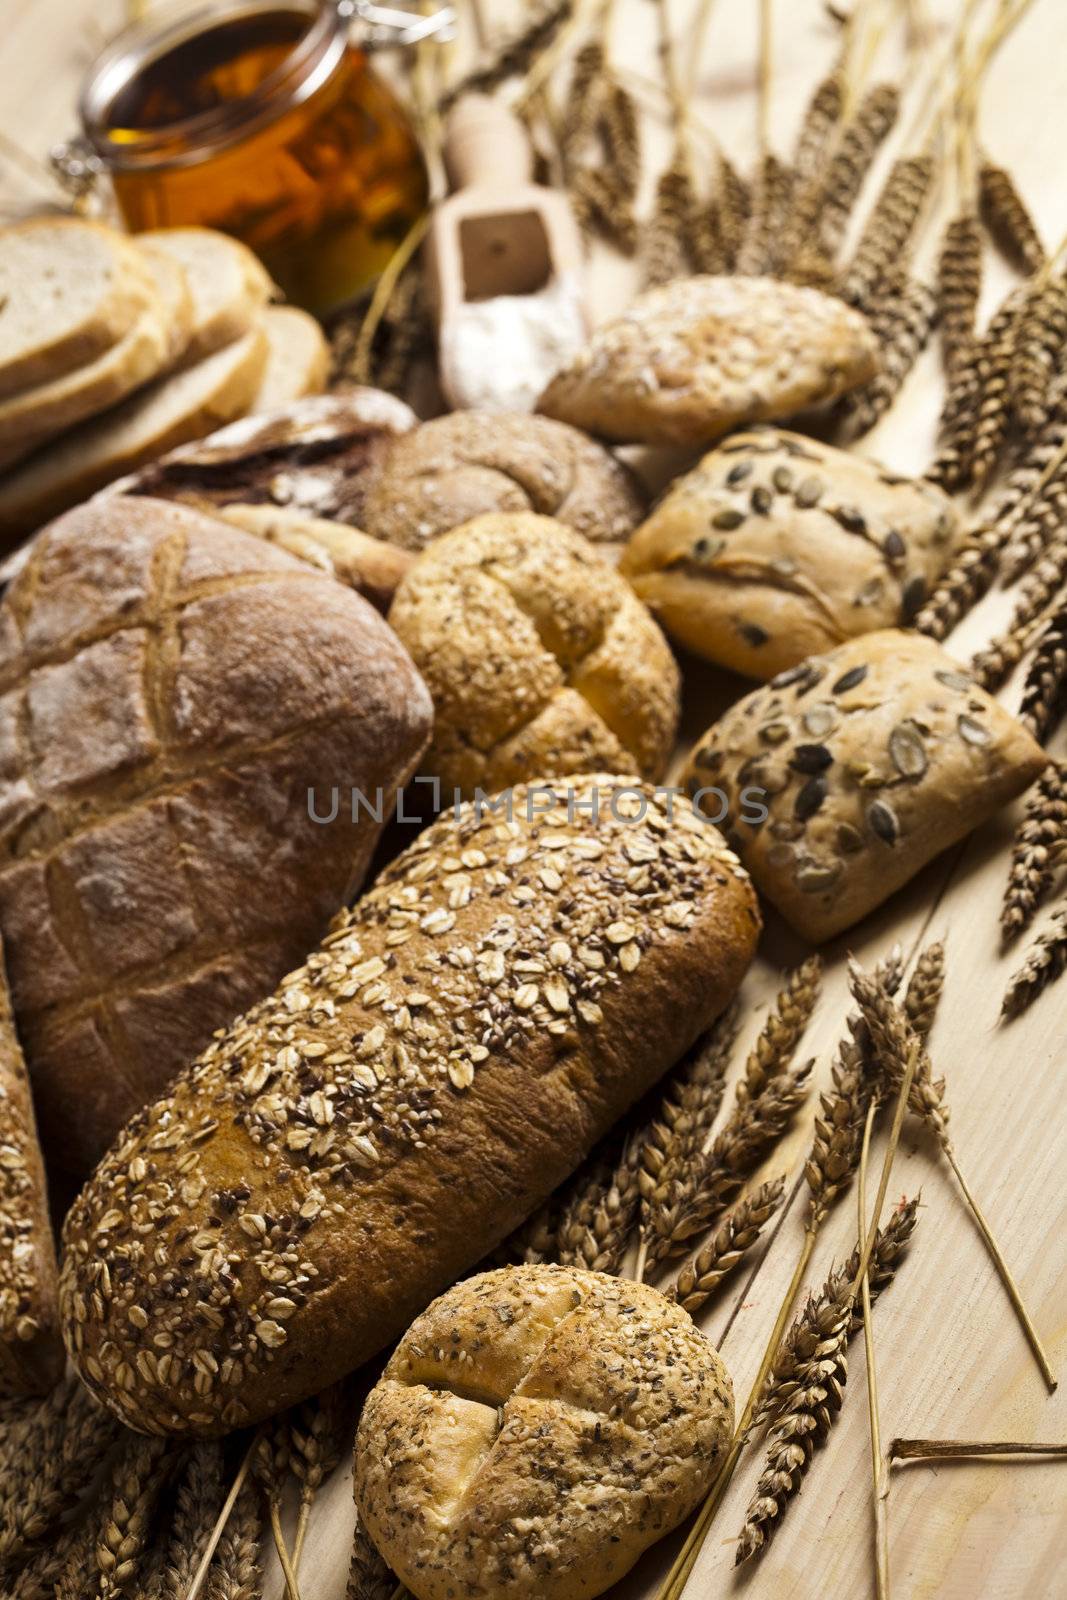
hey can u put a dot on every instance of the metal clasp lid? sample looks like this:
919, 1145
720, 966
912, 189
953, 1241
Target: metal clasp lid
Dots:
384, 26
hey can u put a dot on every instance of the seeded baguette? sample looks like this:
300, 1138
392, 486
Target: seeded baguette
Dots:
535, 1430
870, 760
31, 1350
366, 1134
777, 547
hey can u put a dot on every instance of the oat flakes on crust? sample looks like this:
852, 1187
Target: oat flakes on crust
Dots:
536, 1429
692, 360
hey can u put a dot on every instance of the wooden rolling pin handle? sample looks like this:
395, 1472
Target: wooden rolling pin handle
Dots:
486, 146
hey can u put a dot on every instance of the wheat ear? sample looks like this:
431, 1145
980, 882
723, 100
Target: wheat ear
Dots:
1036, 850
236, 1571
136, 1483
1008, 221
701, 1277
1046, 961
1044, 697
923, 994
197, 1506
369, 1578
320, 1435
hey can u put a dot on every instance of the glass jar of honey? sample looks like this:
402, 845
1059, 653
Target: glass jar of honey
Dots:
265, 119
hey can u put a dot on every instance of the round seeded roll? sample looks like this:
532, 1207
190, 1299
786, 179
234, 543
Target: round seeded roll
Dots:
845, 775
535, 1431
538, 657
692, 360
362, 1137
777, 547
454, 468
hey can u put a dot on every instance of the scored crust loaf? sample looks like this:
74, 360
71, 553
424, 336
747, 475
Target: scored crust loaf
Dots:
170, 690
341, 1154
31, 1350
870, 760
370, 566
535, 1430
777, 547
309, 456
540, 659
695, 358
452, 469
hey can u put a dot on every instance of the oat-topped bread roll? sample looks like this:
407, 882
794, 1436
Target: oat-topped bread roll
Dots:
31, 1350
777, 547
535, 1430
697, 357
342, 1153
309, 456
870, 761
539, 658
455, 468
170, 690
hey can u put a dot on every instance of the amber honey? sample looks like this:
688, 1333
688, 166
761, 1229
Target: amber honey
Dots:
267, 121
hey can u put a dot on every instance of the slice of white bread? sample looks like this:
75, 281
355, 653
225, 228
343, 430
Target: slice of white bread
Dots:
228, 284
33, 415
175, 409
176, 297
67, 295
299, 359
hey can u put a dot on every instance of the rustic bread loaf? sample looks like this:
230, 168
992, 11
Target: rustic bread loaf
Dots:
869, 761
370, 566
31, 1349
347, 1149
692, 360
539, 657
298, 358
229, 285
535, 1430
448, 471
777, 547
182, 405
310, 456
69, 291
170, 688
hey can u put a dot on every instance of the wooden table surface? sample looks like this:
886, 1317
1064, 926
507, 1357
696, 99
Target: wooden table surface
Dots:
951, 1358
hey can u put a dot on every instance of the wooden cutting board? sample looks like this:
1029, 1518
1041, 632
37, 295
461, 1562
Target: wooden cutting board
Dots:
952, 1361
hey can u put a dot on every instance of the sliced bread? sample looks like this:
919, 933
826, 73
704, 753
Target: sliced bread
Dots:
67, 295
299, 359
171, 411
34, 415
228, 284
172, 285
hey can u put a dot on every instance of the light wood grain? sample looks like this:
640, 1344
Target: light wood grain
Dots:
952, 1361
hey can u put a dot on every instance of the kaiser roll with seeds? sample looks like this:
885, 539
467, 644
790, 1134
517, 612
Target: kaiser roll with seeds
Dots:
540, 659
31, 1350
170, 691
692, 360
357, 1141
454, 468
535, 1431
777, 547
869, 760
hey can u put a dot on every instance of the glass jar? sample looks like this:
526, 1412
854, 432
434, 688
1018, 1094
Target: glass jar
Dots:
262, 118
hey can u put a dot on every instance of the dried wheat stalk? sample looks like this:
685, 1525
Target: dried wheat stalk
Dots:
271, 1457
584, 94
135, 1487
771, 192
700, 1278
1035, 528
535, 1241
959, 283
664, 256
813, 1396
994, 402
620, 130
935, 1449
903, 318
860, 142
734, 208
600, 208
516, 54
73, 1437
320, 1434
199, 1499
1037, 850
889, 229
1039, 347
969, 577
820, 122
236, 1571
1045, 962
601, 1213
979, 372
1044, 700
896, 1044
923, 995
1038, 591
1008, 221
368, 1576
781, 1033
57, 1570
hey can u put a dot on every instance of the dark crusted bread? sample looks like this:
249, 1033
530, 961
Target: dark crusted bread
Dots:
170, 689
31, 1350
361, 1138
535, 1430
